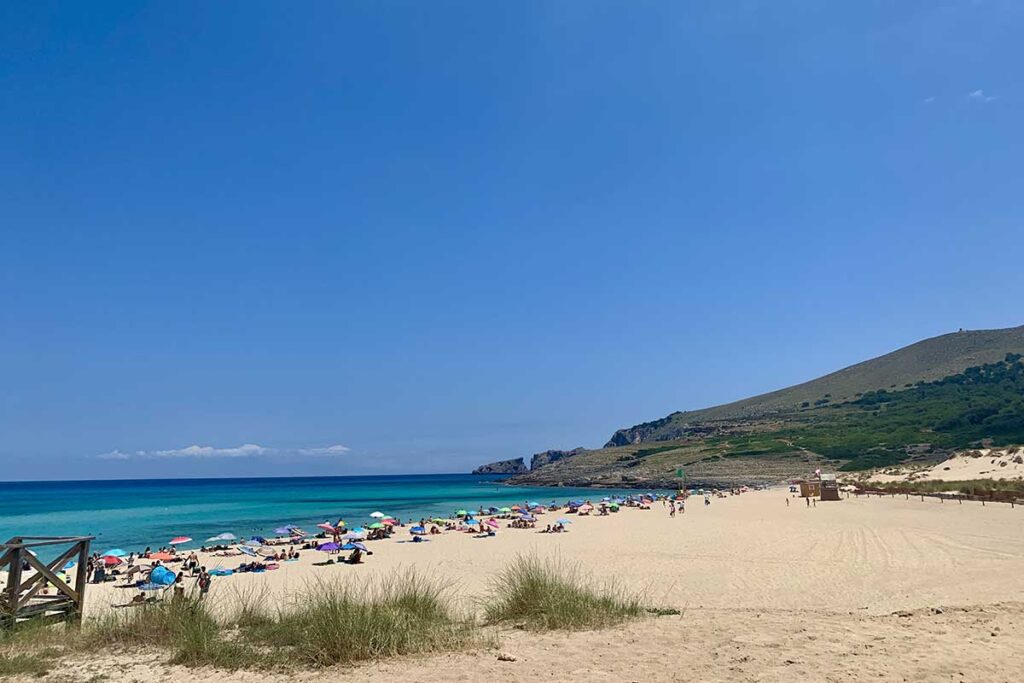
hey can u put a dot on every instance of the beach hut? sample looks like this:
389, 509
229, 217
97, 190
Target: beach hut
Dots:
810, 488
828, 487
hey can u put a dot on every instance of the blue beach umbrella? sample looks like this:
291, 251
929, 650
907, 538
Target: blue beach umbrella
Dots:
354, 546
563, 520
282, 530
247, 550
116, 552
417, 530
162, 576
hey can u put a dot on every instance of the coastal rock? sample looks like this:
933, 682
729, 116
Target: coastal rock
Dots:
548, 457
513, 466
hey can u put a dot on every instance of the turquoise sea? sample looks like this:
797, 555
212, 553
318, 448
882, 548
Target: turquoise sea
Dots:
139, 513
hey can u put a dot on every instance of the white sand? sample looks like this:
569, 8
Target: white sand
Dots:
761, 584
984, 463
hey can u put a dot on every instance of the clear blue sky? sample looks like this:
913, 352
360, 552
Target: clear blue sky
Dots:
443, 233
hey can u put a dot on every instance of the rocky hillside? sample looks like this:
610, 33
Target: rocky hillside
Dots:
916, 405
925, 361
513, 466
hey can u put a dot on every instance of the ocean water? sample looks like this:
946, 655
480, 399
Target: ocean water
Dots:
139, 513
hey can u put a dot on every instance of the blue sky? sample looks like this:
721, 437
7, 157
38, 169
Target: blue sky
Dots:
348, 237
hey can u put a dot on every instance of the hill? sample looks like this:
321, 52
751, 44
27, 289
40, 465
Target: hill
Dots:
918, 404
923, 361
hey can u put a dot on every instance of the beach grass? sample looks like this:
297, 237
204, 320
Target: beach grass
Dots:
538, 594
340, 623
184, 625
33, 664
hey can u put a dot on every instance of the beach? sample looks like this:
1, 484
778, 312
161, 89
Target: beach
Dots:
886, 588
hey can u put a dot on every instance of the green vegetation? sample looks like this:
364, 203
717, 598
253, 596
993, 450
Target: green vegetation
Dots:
334, 624
327, 624
544, 595
38, 664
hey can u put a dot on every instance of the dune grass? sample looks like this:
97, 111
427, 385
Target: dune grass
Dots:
329, 623
185, 625
541, 594
336, 623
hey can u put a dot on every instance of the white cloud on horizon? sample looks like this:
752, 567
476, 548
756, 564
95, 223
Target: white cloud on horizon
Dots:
248, 450
336, 449
979, 96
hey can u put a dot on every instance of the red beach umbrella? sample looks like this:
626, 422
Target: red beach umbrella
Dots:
180, 539
326, 527
111, 560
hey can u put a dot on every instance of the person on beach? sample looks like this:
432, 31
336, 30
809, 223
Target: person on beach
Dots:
671, 509
179, 587
203, 582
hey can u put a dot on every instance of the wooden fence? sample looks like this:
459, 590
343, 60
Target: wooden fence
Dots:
1011, 497
23, 598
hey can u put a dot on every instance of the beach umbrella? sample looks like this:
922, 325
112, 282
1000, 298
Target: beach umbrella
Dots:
461, 513
563, 520
115, 552
70, 565
329, 547
112, 560
258, 539
353, 536
354, 546
471, 521
417, 530
389, 520
180, 539
282, 530
227, 536
377, 515
533, 504
326, 527
376, 525
247, 550
506, 510
340, 525
517, 508
163, 557
440, 520
359, 530
251, 544
493, 523
162, 576
297, 531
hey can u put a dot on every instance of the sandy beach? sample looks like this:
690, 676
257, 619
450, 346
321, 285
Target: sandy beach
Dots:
880, 588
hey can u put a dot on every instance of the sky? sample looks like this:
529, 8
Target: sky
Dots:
260, 239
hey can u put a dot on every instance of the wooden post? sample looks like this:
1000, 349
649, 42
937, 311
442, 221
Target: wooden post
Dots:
14, 579
81, 580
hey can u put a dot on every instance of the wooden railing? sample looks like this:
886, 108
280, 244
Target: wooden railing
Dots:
24, 598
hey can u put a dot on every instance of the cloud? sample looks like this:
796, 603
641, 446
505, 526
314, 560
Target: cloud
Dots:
979, 96
336, 449
248, 450
114, 455
928, 100
244, 451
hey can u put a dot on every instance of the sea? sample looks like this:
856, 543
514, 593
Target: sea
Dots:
134, 514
